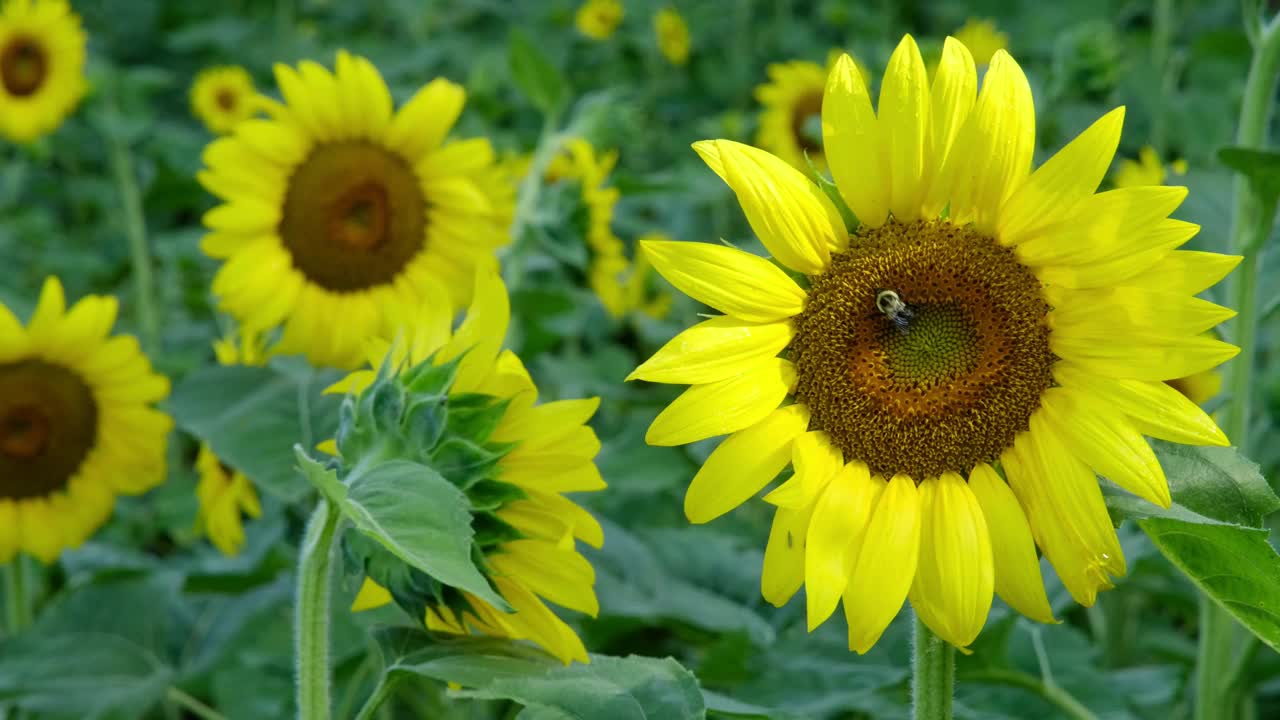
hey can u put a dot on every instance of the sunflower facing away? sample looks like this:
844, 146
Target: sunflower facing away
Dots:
546, 450
223, 492
223, 97
336, 207
947, 378
77, 426
42, 53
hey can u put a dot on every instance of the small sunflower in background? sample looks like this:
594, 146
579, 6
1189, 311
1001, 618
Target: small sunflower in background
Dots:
983, 39
597, 19
336, 206
42, 56
672, 34
791, 116
1148, 169
223, 97
224, 493
946, 387
535, 454
77, 423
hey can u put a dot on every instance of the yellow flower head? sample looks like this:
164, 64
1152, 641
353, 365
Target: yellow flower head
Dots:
223, 492
336, 207
42, 54
945, 386
791, 112
77, 423
597, 19
672, 34
550, 453
1146, 170
222, 97
983, 39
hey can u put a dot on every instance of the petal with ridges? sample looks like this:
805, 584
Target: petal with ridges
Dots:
815, 461
886, 564
851, 141
1110, 225
1155, 408
1188, 272
724, 406
734, 282
1148, 356
743, 464
714, 350
1098, 312
903, 118
1017, 569
782, 573
835, 533
954, 91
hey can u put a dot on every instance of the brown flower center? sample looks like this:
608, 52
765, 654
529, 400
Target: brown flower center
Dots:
23, 66
226, 99
354, 216
944, 370
806, 122
48, 425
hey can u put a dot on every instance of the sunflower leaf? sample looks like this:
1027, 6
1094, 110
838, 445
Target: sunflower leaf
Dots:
541, 81
1209, 485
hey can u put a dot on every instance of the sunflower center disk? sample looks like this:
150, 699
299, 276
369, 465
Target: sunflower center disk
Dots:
22, 67
943, 381
226, 99
354, 216
48, 425
806, 122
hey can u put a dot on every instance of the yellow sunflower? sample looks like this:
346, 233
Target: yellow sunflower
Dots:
336, 207
791, 116
983, 39
224, 492
552, 454
597, 19
77, 426
673, 35
1148, 169
222, 97
42, 53
946, 378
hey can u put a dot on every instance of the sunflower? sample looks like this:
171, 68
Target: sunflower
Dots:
77, 426
791, 117
672, 34
946, 378
222, 491
548, 452
983, 39
597, 19
1148, 169
222, 97
336, 207
42, 53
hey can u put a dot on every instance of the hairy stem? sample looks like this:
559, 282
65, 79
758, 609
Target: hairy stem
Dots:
933, 675
311, 620
135, 229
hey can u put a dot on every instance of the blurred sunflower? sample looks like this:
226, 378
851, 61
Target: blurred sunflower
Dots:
672, 34
1148, 169
42, 54
983, 39
1020, 331
223, 492
545, 450
222, 97
77, 426
336, 207
791, 116
597, 19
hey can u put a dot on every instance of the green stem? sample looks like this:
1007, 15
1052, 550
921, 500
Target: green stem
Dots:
1161, 41
135, 228
1060, 698
311, 621
933, 672
17, 596
1250, 226
385, 688
549, 143
192, 705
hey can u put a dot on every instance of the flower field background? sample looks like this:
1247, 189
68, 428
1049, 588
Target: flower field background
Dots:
186, 589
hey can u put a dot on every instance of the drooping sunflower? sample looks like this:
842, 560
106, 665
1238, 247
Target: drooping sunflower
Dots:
223, 492
546, 450
223, 97
336, 207
947, 376
597, 19
77, 423
672, 34
42, 54
791, 116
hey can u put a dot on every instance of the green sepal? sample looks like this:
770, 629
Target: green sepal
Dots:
492, 531
463, 462
427, 378
425, 422
475, 416
489, 495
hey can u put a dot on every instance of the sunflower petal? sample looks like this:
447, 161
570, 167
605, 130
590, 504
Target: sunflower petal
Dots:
956, 576
835, 533
852, 143
1017, 569
1186, 272
783, 571
724, 406
886, 564
954, 91
743, 464
816, 461
1155, 408
714, 350
734, 282
903, 120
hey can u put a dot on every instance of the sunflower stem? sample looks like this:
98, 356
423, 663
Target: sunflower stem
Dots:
1060, 698
135, 229
1250, 227
192, 705
311, 620
385, 688
549, 143
933, 675
17, 596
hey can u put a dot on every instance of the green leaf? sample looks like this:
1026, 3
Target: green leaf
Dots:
323, 478
1260, 167
1235, 566
422, 519
250, 417
1208, 485
81, 674
535, 75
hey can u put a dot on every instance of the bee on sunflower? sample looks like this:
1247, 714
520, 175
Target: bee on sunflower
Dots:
947, 375
42, 55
